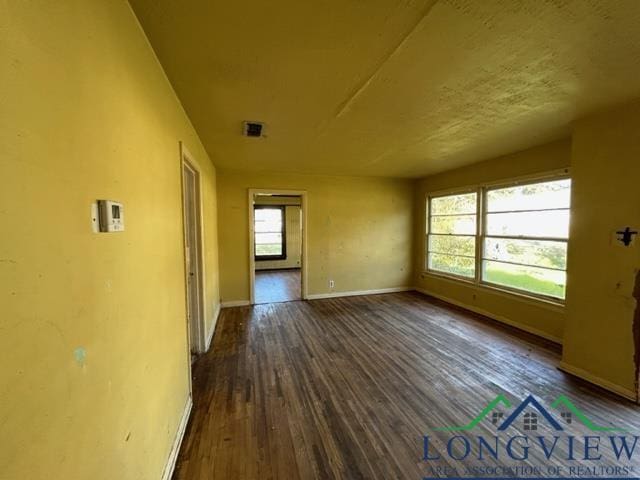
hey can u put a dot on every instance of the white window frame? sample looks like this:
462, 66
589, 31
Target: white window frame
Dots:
481, 208
282, 232
476, 236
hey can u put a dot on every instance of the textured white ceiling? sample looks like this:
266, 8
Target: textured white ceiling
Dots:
391, 87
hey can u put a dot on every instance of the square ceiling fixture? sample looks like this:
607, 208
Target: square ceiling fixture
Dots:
253, 129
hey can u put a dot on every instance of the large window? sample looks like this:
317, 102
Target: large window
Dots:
526, 233
269, 233
522, 232
452, 233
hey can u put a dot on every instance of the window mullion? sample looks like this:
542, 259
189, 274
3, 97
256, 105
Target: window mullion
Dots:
453, 270
428, 232
480, 209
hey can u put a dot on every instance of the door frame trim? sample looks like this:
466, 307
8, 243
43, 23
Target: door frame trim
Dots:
303, 254
187, 160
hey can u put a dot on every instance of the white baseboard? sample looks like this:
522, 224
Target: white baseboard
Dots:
601, 382
498, 318
235, 303
175, 448
214, 322
317, 296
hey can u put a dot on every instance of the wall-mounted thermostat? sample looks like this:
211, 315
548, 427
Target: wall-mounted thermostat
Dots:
110, 216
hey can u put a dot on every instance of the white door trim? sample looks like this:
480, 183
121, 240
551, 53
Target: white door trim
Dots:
252, 262
186, 159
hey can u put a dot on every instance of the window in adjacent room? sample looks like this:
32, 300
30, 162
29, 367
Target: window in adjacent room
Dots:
451, 234
269, 233
526, 229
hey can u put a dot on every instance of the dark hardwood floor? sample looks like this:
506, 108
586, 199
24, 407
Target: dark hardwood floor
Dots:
346, 388
277, 285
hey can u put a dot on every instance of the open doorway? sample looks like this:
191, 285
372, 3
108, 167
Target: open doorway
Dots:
277, 246
193, 253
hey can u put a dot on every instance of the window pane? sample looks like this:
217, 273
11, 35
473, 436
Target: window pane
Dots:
268, 214
268, 227
538, 196
264, 238
269, 249
554, 223
529, 252
453, 245
462, 266
454, 204
268, 220
530, 279
461, 225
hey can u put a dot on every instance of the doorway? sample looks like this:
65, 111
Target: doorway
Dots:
193, 253
277, 250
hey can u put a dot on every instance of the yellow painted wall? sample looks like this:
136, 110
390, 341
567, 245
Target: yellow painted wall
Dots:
546, 320
605, 198
359, 231
85, 113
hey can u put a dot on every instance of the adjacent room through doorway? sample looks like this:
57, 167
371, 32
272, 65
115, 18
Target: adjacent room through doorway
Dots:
277, 232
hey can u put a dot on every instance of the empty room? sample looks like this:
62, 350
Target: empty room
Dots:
290, 240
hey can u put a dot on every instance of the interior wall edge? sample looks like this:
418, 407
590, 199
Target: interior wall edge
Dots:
601, 296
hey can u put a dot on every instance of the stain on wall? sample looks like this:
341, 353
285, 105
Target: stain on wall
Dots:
80, 354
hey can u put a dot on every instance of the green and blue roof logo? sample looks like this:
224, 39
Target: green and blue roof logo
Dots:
568, 413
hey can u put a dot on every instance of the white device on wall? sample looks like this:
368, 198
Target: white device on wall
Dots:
110, 216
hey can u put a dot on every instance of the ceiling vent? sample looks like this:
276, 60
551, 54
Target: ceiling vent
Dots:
253, 129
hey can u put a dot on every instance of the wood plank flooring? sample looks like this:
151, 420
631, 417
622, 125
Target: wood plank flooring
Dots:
277, 285
346, 388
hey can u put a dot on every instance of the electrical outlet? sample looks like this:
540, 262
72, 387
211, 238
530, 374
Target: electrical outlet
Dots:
331, 283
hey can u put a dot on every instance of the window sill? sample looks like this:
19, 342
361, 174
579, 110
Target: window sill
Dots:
558, 306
